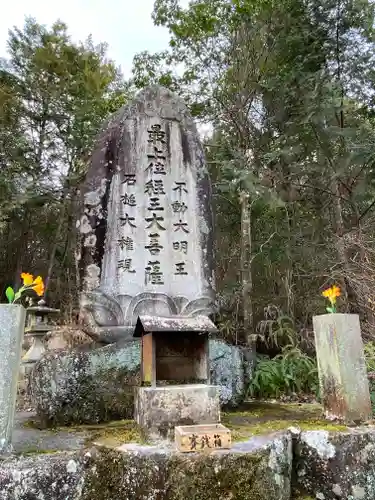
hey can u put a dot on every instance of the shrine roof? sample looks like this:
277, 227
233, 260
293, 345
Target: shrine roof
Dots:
178, 324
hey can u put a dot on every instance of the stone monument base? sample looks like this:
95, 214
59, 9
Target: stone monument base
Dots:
158, 410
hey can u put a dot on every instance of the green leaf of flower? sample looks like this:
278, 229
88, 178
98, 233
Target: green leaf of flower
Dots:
18, 294
9, 292
330, 309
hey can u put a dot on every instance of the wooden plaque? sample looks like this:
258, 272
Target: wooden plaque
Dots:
209, 437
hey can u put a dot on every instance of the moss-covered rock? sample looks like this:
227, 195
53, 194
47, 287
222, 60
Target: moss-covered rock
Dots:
229, 370
118, 464
97, 385
47, 477
253, 470
335, 465
86, 386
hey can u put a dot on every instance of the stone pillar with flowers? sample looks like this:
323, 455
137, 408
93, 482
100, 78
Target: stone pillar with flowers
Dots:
12, 324
341, 363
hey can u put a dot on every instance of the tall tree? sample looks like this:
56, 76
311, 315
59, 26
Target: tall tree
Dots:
289, 87
57, 93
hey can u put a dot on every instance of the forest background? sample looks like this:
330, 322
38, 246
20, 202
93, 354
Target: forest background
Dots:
287, 93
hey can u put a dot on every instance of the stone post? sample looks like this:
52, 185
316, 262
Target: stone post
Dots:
342, 368
12, 324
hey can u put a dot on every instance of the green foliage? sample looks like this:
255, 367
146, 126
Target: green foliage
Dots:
9, 292
277, 330
369, 349
54, 95
288, 88
290, 372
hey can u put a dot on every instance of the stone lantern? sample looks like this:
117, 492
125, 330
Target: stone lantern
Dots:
37, 327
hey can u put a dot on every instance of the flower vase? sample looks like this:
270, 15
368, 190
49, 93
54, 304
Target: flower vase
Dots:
12, 325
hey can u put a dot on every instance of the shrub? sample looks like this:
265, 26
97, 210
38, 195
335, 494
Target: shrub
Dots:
277, 329
292, 371
370, 363
370, 356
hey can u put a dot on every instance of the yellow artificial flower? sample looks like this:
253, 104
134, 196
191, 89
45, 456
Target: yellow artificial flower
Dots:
38, 286
332, 293
27, 279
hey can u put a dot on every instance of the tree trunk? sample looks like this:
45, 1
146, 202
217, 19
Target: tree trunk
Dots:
54, 248
24, 236
340, 243
288, 275
246, 276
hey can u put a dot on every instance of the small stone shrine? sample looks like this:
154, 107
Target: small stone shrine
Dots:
174, 349
146, 229
175, 374
146, 256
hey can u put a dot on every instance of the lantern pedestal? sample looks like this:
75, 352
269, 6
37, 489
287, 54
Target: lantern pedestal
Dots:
37, 328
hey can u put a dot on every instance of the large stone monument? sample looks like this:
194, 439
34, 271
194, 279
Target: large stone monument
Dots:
147, 256
146, 230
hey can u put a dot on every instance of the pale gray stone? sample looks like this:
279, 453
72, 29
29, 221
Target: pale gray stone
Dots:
336, 464
140, 212
342, 367
337, 490
358, 492
160, 409
263, 467
12, 325
319, 441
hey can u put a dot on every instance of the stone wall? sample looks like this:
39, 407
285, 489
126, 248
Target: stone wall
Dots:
292, 465
152, 474
313, 465
97, 385
330, 466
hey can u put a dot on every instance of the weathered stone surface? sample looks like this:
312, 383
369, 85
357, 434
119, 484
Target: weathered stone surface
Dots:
247, 471
97, 385
335, 465
86, 386
27, 439
12, 324
146, 228
342, 367
160, 409
323, 466
66, 337
229, 370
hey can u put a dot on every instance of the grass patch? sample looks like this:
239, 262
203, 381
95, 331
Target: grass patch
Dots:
267, 418
115, 434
